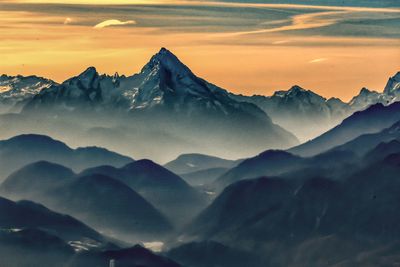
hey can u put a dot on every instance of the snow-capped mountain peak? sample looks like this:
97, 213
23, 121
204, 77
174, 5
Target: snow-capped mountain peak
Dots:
393, 85
18, 89
167, 60
86, 78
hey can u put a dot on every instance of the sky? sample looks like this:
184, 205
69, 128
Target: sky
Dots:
247, 48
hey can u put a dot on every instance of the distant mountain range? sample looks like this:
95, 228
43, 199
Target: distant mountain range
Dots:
307, 114
99, 200
21, 150
340, 146
176, 110
15, 91
167, 93
328, 202
371, 120
312, 219
164, 189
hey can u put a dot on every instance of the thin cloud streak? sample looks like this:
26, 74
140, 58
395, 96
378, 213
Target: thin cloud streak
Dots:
318, 60
113, 22
299, 22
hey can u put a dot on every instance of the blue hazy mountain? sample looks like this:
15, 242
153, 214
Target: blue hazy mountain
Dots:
372, 120
307, 217
135, 256
21, 150
366, 142
188, 163
16, 216
101, 201
33, 247
164, 189
203, 177
210, 253
270, 162
308, 115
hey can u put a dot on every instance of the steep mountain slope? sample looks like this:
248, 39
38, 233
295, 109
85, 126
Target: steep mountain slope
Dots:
26, 214
100, 201
24, 149
294, 222
297, 107
212, 254
17, 90
33, 247
165, 99
35, 178
136, 256
164, 189
110, 205
393, 85
307, 114
40, 248
270, 162
187, 163
372, 120
384, 150
366, 142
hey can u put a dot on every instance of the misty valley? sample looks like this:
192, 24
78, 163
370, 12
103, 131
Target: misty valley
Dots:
163, 168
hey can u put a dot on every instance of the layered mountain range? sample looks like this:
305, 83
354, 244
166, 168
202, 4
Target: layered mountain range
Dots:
178, 104
170, 105
330, 201
307, 114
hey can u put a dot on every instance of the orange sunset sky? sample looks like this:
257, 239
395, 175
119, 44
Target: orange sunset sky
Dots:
244, 48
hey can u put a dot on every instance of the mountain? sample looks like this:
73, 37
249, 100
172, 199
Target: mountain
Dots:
300, 222
393, 86
103, 202
17, 90
164, 189
110, 205
188, 163
367, 97
362, 144
40, 248
26, 215
203, 177
307, 114
33, 247
165, 104
384, 151
372, 120
21, 150
296, 107
268, 163
212, 254
135, 256
35, 178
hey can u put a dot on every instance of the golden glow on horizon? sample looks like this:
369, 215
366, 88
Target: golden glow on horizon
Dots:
271, 59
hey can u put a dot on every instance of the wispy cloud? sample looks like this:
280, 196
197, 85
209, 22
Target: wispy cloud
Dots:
113, 22
318, 60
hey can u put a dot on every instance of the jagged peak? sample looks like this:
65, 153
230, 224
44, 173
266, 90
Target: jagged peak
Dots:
167, 60
294, 91
396, 76
90, 71
297, 88
393, 84
364, 90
